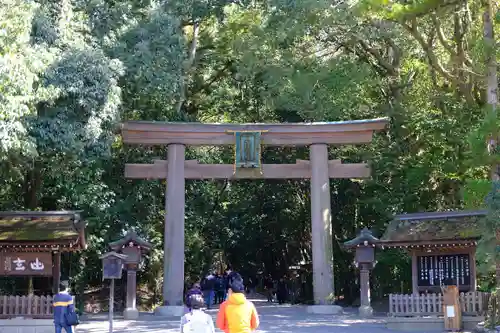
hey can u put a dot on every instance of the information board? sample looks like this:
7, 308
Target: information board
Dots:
112, 268
443, 270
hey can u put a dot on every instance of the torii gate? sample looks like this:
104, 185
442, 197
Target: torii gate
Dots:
248, 138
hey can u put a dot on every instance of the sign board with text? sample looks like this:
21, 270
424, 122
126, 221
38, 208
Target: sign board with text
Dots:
444, 270
25, 264
112, 268
112, 265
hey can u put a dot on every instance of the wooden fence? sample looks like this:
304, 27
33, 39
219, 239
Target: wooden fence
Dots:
26, 306
402, 305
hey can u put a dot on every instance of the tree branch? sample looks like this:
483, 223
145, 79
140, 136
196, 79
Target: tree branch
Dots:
434, 61
363, 56
391, 70
214, 78
440, 35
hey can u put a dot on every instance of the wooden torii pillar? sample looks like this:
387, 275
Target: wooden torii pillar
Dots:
319, 169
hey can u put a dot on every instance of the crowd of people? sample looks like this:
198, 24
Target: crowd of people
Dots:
236, 314
276, 289
213, 288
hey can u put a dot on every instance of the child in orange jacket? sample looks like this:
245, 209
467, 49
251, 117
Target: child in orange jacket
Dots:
237, 314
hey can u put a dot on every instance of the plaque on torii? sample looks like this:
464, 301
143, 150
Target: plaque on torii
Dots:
133, 247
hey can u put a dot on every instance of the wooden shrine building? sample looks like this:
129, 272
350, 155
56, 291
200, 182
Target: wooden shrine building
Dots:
442, 246
31, 243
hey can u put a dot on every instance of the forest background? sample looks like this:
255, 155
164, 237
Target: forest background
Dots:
72, 70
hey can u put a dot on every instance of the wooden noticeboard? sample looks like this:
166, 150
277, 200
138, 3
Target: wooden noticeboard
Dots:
25, 264
439, 270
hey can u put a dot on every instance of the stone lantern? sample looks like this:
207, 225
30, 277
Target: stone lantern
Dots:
134, 248
364, 245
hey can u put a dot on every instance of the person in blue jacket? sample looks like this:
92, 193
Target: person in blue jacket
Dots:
63, 303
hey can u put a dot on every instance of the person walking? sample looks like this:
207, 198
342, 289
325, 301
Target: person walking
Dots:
195, 290
232, 276
219, 289
282, 291
269, 286
225, 285
237, 314
208, 289
64, 310
252, 285
196, 320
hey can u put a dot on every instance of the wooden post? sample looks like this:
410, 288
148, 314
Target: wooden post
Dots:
451, 309
30, 286
414, 272
173, 281
56, 271
111, 304
322, 253
473, 273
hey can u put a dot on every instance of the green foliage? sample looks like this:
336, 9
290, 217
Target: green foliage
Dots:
475, 193
71, 70
491, 224
481, 136
18, 74
80, 116
152, 79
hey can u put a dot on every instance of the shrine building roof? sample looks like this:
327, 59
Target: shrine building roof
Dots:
364, 236
433, 229
130, 237
42, 231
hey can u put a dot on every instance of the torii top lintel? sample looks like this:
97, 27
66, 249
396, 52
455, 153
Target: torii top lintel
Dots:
199, 134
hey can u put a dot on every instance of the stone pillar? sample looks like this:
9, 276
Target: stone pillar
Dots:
173, 271
131, 312
365, 309
321, 228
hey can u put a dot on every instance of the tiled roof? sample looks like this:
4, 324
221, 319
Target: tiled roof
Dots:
41, 227
434, 226
131, 236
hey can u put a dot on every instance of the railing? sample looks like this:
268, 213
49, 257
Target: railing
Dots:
401, 305
26, 306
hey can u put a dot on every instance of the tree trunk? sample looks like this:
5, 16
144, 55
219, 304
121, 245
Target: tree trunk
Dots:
188, 67
492, 99
32, 184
